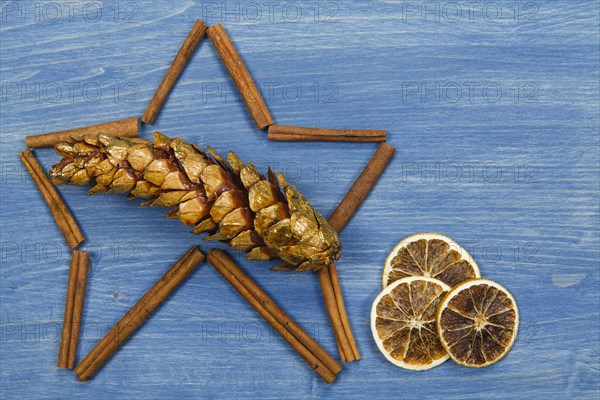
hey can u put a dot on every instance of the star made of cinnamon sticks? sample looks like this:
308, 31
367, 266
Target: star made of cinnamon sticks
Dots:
305, 346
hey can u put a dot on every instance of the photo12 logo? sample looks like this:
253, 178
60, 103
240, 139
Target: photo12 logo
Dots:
270, 11
22, 12
449, 172
251, 332
55, 251
453, 12
273, 92
67, 92
439, 92
507, 253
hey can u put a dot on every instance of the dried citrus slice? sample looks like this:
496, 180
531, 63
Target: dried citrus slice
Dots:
403, 322
430, 255
477, 322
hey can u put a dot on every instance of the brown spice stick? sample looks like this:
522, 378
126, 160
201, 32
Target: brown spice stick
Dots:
82, 273
63, 217
123, 128
300, 341
344, 347
136, 316
65, 339
240, 75
275, 310
126, 319
361, 187
73, 309
330, 285
337, 291
288, 133
181, 59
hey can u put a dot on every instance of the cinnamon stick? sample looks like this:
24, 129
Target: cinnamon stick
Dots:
82, 273
330, 285
361, 187
181, 59
288, 133
136, 316
63, 217
334, 301
307, 348
342, 340
337, 292
73, 309
240, 75
65, 340
127, 127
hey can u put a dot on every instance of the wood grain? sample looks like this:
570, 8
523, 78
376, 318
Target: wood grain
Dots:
511, 176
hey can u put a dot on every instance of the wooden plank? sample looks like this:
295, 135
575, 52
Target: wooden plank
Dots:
496, 124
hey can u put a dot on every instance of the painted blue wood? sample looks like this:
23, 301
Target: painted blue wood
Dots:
494, 109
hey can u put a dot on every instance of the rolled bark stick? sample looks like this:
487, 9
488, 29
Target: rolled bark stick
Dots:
298, 339
59, 210
126, 319
337, 291
330, 285
123, 128
342, 340
177, 66
136, 316
65, 339
274, 309
240, 75
82, 273
73, 309
361, 187
288, 133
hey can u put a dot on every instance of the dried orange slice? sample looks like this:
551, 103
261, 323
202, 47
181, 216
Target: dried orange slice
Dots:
403, 322
430, 255
477, 322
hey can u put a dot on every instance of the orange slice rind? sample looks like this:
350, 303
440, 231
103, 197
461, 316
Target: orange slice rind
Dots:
403, 322
477, 322
430, 255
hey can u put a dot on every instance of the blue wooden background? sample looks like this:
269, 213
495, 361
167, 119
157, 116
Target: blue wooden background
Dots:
494, 110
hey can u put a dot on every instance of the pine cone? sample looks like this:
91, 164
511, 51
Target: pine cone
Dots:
229, 200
